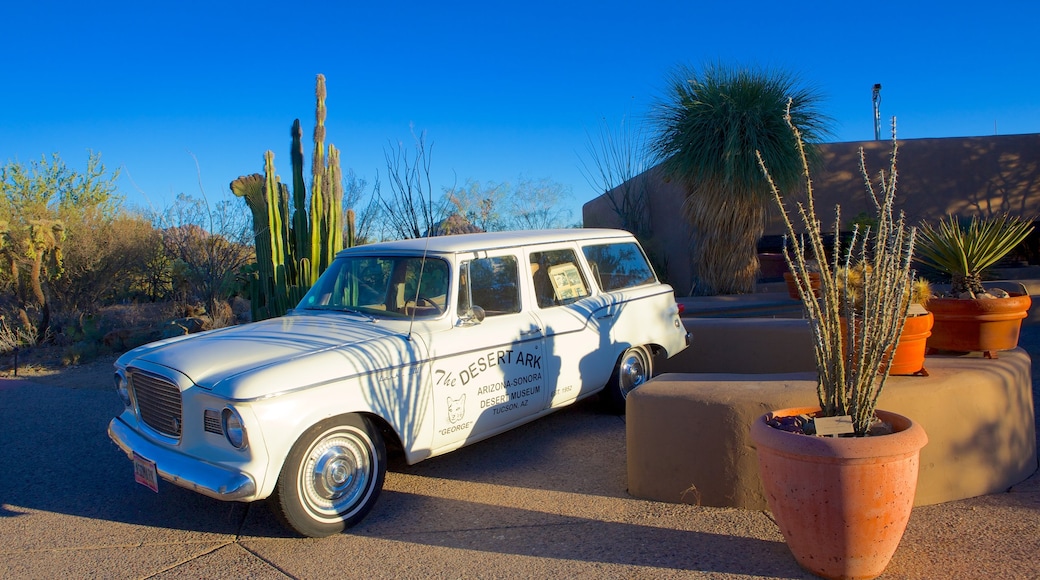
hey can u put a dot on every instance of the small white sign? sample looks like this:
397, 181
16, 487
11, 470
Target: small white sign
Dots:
834, 425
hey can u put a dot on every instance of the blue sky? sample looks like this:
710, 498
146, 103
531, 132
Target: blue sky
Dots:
502, 90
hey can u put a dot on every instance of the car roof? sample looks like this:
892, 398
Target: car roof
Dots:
487, 241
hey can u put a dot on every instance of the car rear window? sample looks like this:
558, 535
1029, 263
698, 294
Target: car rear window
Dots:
619, 265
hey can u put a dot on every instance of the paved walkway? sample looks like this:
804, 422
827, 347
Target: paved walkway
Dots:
545, 500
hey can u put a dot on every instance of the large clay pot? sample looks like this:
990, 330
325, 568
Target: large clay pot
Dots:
842, 503
909, 354
984, 325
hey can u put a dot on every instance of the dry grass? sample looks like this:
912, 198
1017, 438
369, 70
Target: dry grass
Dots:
80, 341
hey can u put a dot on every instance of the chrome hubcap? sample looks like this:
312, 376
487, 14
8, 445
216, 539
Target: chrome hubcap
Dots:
336, 474
632, 373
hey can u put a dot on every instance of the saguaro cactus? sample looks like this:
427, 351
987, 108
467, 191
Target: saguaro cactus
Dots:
294, 248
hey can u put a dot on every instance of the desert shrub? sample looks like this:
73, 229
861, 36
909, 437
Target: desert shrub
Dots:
14, 336
206, 246
108, 260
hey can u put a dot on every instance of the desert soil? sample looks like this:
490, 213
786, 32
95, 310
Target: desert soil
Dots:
43, 365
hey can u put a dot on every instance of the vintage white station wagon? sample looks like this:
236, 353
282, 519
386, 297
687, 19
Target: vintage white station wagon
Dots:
422, 345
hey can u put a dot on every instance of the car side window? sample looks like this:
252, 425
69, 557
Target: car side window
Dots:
491, 284
620, 265
557, 278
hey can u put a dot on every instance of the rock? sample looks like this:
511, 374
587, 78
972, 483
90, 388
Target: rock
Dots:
879, 427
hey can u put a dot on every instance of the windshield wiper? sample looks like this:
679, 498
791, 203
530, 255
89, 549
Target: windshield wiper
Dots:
345, 309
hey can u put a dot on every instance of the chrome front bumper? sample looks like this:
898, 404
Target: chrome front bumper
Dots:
206, 478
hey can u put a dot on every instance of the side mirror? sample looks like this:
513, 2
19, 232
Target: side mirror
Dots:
475, 315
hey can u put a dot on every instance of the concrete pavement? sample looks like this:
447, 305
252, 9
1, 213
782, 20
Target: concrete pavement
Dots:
545, 500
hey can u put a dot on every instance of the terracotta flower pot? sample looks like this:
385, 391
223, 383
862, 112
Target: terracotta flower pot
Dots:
792, 286
842, 503
909, 354
977, 325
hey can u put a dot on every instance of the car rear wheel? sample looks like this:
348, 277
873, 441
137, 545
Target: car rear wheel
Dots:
634, 368
332, 476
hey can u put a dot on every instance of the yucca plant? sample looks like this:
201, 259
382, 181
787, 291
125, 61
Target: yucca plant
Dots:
965, 252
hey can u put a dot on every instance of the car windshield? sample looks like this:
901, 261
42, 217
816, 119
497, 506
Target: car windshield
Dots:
382, 286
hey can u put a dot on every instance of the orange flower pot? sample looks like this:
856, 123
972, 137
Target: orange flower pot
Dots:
908, 358
977, 325
842, 503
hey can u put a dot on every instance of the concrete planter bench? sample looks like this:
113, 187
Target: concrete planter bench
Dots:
688, 432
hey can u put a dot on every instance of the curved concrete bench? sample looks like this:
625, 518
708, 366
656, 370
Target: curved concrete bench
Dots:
744, 345
688, 433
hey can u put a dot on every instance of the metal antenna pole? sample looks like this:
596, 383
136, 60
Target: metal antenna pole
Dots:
877, 111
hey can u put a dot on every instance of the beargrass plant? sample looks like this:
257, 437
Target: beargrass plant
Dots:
710, 126
964, 252
850, 342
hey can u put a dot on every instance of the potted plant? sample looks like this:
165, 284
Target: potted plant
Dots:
842, 502
909, 352
970, 317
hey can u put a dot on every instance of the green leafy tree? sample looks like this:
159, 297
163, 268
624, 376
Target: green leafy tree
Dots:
45, 206
708, 130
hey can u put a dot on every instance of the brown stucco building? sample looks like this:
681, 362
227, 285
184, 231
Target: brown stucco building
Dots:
957, 175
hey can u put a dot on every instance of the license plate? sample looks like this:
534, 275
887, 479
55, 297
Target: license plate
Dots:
145, 473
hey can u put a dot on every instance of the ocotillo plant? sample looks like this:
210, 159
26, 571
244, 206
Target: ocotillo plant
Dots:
294, 248
852, 337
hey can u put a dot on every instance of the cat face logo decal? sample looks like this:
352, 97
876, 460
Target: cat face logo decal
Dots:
456, 409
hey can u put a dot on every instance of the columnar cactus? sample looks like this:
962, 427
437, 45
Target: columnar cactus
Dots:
351, 229
293, 249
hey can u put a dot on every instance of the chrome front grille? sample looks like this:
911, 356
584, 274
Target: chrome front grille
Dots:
158, 401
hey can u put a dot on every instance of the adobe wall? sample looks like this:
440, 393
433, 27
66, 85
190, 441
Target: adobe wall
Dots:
936, 177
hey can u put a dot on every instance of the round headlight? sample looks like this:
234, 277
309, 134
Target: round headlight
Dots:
234, 428
122, 387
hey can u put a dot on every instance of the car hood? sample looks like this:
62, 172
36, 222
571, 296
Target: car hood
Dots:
211, 357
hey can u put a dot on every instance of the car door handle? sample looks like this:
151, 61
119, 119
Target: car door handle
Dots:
605, 316
535, 330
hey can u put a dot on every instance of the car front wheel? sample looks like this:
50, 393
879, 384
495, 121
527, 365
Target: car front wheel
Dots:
634, 368
332, 476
